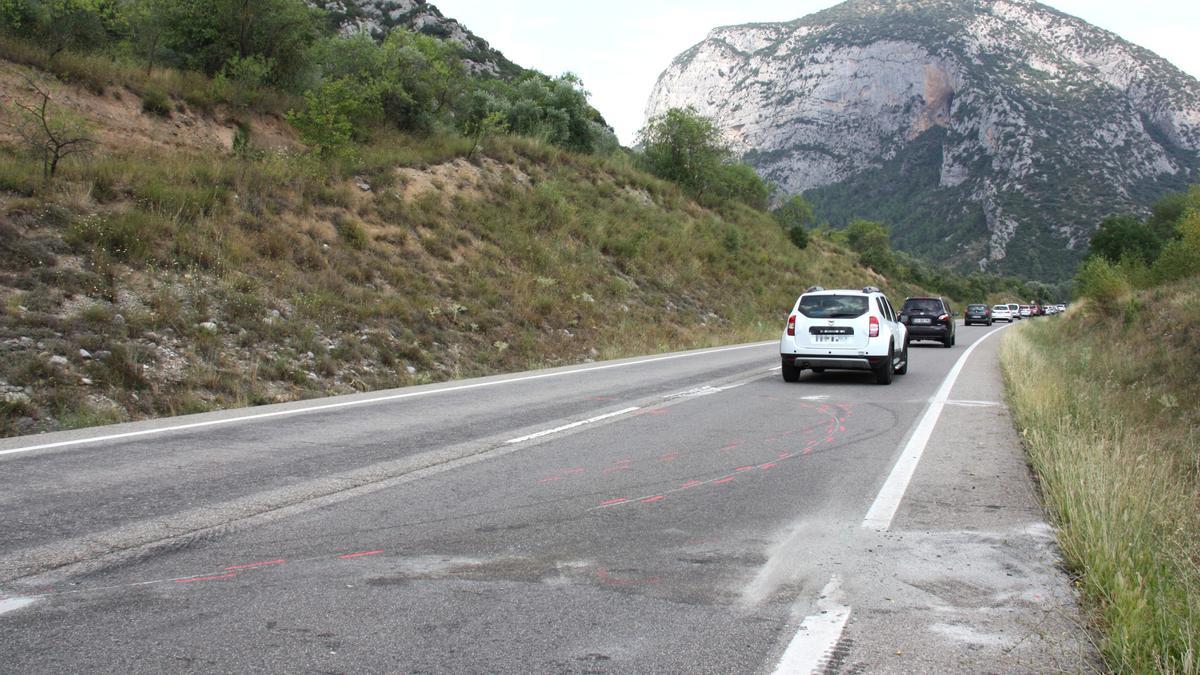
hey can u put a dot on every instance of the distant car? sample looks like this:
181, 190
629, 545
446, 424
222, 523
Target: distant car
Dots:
1002, 313
1035, 309
844, 330
977, 314
1015, 309
1061, 307
1025, 314
928, 319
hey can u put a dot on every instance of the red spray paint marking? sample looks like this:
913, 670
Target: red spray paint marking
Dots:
807, 451
576, 471
363, 554
550, 479
744, 468
690, 484
602, 398
658, 411
829, 440
612, 502
842, 428
655, 498
732, 446
613, 469
250, 566
768, 465
723, 481
785, 455
670, 457
212, 578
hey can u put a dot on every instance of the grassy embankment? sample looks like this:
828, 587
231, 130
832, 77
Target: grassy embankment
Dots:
197, 278
1107, 404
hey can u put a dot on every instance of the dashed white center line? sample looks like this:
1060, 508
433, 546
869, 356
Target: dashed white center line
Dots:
572, 425
13, 604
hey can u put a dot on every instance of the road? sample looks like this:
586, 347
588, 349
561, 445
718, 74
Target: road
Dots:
688, 512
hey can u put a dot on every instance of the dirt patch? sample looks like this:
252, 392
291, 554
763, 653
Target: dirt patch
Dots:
118, 122
457, 177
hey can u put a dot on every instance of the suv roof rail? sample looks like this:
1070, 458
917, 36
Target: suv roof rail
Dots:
814, 289
870, 289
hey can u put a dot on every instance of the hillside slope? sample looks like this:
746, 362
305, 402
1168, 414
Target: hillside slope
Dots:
993, 134
174, 270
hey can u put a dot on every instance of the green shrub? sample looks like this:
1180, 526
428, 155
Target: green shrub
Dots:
155, 102
1101, 281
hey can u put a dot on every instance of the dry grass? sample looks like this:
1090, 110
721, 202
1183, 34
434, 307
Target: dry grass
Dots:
1107, 406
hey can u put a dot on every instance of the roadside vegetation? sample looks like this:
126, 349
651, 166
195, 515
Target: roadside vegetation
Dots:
1106, 401
204, 208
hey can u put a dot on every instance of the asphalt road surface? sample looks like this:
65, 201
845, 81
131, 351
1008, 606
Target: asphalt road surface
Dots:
688, 512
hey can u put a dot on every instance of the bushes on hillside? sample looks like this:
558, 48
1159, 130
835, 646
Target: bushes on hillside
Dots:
1128, 254
686, 148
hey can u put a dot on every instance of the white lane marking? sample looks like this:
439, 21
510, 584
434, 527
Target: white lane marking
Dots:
818, 397
572, 425
879, 516
13, 604
379, 399
974, 404
813, 645
704, 390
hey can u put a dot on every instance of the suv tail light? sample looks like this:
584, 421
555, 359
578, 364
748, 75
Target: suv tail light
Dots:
943, 317
791, 329
873, 331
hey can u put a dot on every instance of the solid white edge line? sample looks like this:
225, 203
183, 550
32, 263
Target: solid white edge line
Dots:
379, 399
817, 637
13, 604
883, 510
572, 425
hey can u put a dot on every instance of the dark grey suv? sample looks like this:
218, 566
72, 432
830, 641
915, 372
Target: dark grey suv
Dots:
928, 319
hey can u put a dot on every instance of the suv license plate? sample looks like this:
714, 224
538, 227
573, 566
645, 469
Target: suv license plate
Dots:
829, 338
923, 322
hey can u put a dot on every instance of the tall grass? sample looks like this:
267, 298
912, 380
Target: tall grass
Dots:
1107, 408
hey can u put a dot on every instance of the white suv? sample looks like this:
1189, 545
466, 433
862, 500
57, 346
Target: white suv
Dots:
846, 330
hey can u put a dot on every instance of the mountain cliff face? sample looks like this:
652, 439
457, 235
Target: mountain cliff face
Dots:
377, 17
989, 133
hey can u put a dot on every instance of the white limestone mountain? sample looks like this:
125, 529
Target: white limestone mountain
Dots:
989, 133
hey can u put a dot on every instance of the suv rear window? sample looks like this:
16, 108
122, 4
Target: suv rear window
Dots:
923, 304
976, 306
833, 306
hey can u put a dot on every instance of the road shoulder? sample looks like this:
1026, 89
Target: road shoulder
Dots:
968, 577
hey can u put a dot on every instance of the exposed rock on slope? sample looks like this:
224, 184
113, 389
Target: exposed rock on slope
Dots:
994, 133
380, 16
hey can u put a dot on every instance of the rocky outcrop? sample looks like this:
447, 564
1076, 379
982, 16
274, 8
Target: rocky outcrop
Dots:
990, 133
378, 17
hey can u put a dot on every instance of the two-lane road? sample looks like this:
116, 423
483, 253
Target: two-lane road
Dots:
687, 512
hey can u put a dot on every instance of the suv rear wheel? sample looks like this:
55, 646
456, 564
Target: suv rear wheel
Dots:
790, 372
885, 373
903, 369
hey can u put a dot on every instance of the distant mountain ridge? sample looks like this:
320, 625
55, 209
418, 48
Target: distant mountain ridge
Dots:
378, 17
990, 133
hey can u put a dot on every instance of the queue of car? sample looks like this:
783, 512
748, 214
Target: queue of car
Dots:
859, 329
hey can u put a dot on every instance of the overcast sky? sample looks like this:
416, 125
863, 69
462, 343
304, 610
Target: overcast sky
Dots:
619, 47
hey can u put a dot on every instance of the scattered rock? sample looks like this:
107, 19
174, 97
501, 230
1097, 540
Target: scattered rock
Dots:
118, 318
410, 370
57, 360
362, 184
85, 354
16, 398
103, 355
312, 377
210, 326
86, 381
